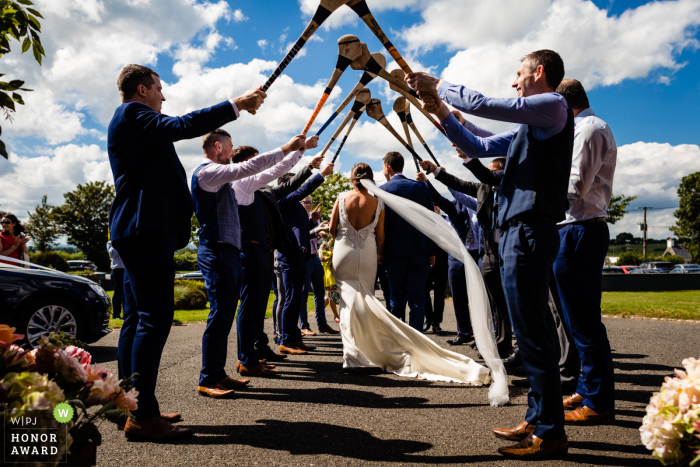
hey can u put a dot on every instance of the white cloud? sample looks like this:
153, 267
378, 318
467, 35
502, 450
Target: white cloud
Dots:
262, 43
238, 16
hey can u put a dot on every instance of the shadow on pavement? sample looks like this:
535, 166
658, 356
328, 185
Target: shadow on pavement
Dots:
309, 438
103, 354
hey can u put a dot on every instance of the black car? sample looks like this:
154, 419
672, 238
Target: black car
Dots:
37, 302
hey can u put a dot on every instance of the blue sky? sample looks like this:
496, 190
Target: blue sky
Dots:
638, 60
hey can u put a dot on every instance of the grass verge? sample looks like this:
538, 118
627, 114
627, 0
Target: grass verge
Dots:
672, 305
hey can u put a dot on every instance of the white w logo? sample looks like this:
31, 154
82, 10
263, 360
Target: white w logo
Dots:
63, 412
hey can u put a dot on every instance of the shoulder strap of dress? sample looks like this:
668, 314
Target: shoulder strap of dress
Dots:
380, 206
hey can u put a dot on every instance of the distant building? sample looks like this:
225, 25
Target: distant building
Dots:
673, 249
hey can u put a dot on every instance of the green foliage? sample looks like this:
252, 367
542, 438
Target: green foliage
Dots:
623, 237
673, 259
84, 218
688, 214
194, 231
82, 273
19, 23
629, 258
327, 193
71, 255
186, 261
190, 295
42, 226
50, 259
617, 206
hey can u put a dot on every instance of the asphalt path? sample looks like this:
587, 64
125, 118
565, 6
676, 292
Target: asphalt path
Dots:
314, 414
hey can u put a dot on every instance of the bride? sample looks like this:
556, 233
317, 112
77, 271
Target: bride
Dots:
373, 337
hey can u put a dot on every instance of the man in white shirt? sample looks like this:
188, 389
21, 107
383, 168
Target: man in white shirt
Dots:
578, 267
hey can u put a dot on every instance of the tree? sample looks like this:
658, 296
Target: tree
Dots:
42, 226
617, 206
688, 214
327, 193
84, 218
629, 258
194, 231
17, 22
622, 238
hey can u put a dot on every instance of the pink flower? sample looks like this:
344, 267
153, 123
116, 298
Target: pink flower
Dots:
82, 355
14, 355
104, 389
69, 367
96, 373
127, 401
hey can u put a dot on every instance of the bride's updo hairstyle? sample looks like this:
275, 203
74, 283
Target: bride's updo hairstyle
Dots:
361, 171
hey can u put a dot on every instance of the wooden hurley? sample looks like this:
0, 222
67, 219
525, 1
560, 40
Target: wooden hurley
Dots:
360, 7
348, 50
324, 10
409, 120
355, 118
400, 109
363, 98
374, 110
366, 78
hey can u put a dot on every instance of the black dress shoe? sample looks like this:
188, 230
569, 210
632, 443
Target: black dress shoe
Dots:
460, 340
473, 345
437, 329
427, 327
513, 361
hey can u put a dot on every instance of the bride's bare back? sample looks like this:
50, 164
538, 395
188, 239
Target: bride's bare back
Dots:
361, 208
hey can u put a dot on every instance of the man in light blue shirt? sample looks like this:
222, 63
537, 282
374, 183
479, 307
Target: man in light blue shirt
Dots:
533, 198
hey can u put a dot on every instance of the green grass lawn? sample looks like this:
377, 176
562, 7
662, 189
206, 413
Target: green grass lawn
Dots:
673, 305
193, 316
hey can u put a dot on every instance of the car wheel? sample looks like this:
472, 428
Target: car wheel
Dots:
44, 316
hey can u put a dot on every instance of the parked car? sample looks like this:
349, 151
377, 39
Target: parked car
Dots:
686, 268
613, 270
81, 265
191, 276
648, 271
37, 302
667, 267
628, 269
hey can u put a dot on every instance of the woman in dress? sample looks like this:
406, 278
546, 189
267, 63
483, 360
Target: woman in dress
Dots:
372, 337
13, 241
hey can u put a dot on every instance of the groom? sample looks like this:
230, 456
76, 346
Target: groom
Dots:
409, 255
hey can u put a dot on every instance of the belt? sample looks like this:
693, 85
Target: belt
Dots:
586, 221
526, 218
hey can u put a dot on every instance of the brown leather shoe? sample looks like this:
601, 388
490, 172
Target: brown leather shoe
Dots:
262, 362
302, 346
291, 350
532, 448
573, 401
230, 383
257, 370
583, 416
217, 391
154, 429
171, 417
518, 433
307, 332
328, 330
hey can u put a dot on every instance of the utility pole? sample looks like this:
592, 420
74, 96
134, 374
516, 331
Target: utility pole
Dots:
644, 230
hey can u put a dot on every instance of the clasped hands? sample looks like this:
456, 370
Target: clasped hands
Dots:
427, 88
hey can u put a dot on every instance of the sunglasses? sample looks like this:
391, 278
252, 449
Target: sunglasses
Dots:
6, 222
306, 202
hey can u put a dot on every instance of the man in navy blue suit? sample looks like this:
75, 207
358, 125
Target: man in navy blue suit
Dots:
292, 263
149, 220
408, 254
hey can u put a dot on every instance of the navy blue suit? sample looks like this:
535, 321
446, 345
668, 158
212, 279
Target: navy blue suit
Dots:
292, 263
407, 253
149, 220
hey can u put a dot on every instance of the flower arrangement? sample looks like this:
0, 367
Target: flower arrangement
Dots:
671, 427
58, 371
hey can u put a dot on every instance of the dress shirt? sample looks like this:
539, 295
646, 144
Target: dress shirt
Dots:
592, 168
235, 108
470, 203
245, 188
212, 177
116, 261
546, 115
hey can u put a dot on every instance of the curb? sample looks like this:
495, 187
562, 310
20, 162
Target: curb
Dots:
643, 318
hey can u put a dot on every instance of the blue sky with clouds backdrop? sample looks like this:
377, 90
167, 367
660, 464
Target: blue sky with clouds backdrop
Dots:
639, 62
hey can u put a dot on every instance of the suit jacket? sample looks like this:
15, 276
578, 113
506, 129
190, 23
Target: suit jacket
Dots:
296, 220
270, 195
402, 238
457, 212
150, 182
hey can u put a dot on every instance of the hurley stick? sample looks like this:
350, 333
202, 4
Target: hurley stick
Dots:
374, 110
368, 63
348, 50
366, 78
409, 120
363, 98
355, 118
360, 7
324, 10
400, 109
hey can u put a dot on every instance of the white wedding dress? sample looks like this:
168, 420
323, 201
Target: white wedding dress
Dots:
373, 337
